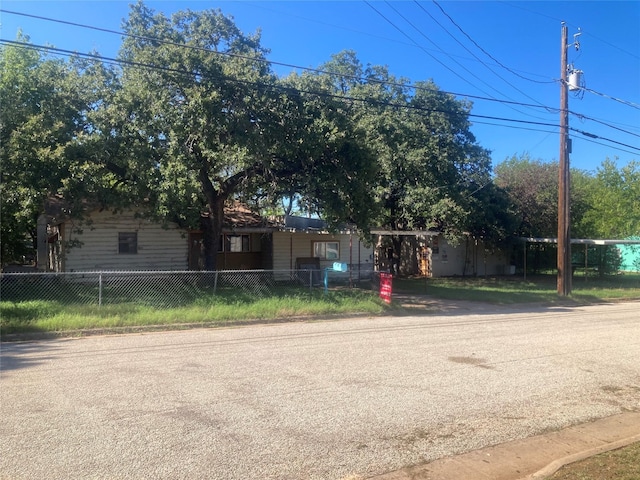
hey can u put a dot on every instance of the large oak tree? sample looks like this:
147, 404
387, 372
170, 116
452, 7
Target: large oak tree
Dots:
201, 119
429, 163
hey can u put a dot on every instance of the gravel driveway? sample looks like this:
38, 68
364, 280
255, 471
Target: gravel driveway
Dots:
310, 400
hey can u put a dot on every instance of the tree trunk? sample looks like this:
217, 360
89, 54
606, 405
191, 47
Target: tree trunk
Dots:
213, 233
396, 240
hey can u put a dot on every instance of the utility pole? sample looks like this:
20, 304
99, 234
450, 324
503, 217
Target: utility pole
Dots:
564, 230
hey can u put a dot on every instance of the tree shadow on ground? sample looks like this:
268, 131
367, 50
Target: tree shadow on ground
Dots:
18, 355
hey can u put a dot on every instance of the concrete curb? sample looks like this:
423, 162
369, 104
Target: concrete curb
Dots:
532, 458
556, 465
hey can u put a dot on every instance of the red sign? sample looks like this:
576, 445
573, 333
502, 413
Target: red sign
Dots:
386, 287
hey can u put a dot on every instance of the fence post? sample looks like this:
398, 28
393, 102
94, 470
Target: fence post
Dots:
100, 289
310, 281
215, 282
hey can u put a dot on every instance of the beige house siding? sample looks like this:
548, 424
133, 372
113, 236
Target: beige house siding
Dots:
289, 246
468, 258
158, 248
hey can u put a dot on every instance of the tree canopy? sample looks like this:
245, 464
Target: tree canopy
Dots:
429, 164
603, 204
209, 122
192, 116
43, 121
613, 195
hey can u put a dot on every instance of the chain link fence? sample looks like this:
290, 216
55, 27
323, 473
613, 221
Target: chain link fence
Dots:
170, 288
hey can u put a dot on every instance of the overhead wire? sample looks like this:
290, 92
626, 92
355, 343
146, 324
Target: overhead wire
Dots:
624, 102
372, 80
458, 63
281, 64
474, 55
116, 61
483, 50
617, 47
309, 69
425, 51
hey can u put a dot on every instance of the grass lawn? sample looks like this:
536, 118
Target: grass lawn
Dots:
621, 464
32, 316
514, 290
235, 306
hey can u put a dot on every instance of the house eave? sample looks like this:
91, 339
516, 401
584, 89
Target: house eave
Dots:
407, 233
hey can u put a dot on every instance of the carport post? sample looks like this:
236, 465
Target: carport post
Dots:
100, 289
525, 261
586, 264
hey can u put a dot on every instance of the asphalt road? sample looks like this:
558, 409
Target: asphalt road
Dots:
316, 400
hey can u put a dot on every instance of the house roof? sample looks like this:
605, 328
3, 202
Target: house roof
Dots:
57, 209
304, 223
239, 216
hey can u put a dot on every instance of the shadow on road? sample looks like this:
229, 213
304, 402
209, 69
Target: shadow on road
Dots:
414, 304
20, 355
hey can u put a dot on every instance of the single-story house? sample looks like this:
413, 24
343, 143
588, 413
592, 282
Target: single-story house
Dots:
107, 240
429, 253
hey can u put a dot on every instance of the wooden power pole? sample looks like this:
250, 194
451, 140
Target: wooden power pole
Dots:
564, 230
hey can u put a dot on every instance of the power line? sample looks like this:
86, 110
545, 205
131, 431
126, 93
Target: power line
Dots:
281, 64
309, 69
294, 90
458, 63
424, 50
473, 54
359, 32
584, 117
315, 70
483, 50
593, 135
559, 20
624, 102
115, 61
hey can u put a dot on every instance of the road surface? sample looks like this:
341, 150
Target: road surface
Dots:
337, 399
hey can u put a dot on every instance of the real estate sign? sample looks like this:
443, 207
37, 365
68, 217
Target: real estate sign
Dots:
386, 287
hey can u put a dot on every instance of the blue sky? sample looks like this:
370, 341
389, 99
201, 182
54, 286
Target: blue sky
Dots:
418, 41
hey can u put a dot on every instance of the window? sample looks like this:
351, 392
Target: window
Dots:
326, 250
237, 243
127, 242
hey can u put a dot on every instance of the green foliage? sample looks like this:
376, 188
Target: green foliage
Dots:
210, 122
46, 105
613, 199
532, 187
195, 118
603, 205
429, 166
